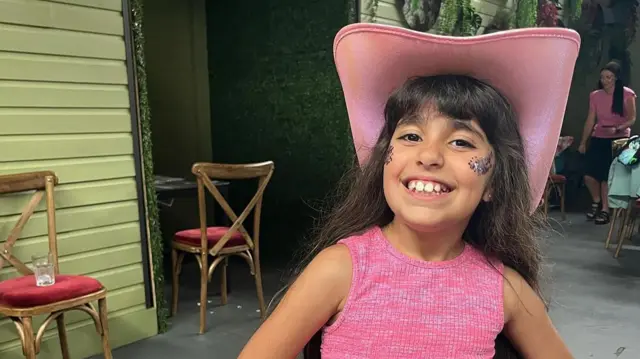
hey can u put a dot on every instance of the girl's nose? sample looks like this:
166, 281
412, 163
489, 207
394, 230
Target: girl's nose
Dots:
431, 157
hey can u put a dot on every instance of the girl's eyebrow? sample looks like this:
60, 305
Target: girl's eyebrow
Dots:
410, 120
457, 124
463, 125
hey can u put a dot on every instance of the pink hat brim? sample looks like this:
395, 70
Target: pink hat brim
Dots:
532, 67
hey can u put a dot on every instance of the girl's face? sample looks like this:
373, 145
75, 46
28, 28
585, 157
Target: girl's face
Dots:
437, 171
607, 78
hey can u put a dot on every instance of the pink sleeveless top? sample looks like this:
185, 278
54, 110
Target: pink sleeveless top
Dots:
400, 308
600, 102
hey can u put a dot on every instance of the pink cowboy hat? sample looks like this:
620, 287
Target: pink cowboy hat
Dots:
531, 67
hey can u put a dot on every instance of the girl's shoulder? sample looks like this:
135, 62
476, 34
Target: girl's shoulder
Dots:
362, 238
493, 264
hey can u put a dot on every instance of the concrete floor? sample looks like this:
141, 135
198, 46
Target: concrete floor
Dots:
595, 303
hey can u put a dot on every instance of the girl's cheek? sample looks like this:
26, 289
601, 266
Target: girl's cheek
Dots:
481, 165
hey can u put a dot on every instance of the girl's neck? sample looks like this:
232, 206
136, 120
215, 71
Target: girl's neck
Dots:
609, 90
438, 245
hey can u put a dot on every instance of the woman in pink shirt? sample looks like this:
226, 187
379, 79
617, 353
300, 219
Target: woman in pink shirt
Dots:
431, 251
612, 111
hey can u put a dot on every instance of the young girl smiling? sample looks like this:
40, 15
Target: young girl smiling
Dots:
430, 251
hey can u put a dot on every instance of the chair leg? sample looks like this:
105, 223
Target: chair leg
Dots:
174, 281
104, 324
223, 282
562, 194
623, 214
621, 241
62, 334
628, 225
258, 277
29, 344
612, 225
204, 279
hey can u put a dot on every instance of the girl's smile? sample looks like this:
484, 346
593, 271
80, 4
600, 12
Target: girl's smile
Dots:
427, 188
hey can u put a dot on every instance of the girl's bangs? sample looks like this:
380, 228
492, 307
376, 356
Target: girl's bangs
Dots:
456, 97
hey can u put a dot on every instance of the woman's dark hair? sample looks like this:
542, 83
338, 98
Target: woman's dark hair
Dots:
502, 229
618, 92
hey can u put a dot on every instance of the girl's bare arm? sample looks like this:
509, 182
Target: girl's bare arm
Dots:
313, 299
527, 323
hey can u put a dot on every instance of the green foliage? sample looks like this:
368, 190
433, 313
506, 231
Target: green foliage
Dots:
155, 240
577, 10
352, 11
458, 18
470, 21
275, 95
374, 8
526, 13
448, 17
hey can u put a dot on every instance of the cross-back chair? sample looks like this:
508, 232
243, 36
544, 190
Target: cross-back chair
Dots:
629, 217
222, 242
21, 299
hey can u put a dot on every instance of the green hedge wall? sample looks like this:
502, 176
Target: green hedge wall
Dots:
155, 236
275, 95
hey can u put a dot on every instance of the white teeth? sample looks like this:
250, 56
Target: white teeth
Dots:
427, 187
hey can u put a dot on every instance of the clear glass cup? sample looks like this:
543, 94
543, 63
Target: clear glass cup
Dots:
43, 270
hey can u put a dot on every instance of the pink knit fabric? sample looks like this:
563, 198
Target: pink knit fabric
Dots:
401, 308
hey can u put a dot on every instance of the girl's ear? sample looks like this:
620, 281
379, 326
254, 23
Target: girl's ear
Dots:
487, 196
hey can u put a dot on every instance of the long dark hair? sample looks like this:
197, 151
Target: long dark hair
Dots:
502, 229
618, 92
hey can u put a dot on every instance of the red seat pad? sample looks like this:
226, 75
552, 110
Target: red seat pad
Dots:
192, 237
22, 292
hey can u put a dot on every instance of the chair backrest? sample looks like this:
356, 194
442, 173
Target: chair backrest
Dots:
205, 172
43, 184
616, 145
312, 348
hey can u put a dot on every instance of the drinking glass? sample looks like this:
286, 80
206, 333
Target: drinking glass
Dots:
43, 270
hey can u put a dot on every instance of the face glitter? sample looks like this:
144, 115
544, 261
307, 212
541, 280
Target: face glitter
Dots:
481, 165
388, 155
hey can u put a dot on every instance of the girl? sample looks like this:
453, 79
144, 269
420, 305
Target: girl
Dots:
431, 249
614, 107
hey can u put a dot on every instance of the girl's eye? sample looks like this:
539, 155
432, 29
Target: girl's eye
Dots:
411, 137
462, 143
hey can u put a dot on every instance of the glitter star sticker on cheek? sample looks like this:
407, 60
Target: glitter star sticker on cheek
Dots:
481, 165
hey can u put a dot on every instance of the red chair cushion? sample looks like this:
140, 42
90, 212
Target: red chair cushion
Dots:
22, 292
558, 178
192, 237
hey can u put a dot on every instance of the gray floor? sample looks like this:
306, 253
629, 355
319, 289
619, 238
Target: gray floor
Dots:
595, 303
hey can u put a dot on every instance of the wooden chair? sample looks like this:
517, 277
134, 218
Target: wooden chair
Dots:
617, 212
222, 242
21, 299
620, 212
557, 182
616, 145
629, 218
